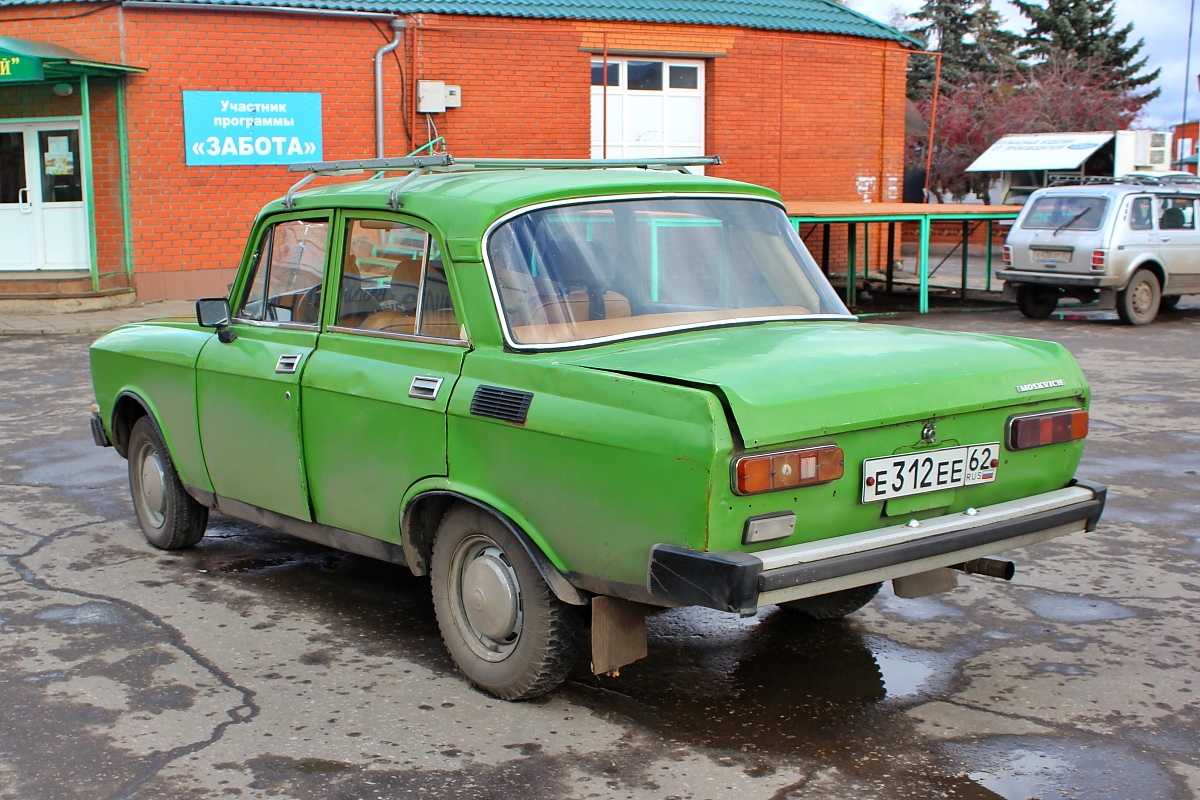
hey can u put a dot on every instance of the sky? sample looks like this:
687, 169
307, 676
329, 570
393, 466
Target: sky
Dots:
1163, 24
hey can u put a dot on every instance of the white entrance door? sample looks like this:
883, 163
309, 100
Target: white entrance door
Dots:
650, 107
43, 222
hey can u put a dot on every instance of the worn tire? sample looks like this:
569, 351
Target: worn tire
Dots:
1036, 302
169, 517
1168, 302
1138, 302
834, 605
504, 627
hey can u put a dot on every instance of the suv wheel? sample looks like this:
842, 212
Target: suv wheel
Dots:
1036, 302
505, 629
1137, 303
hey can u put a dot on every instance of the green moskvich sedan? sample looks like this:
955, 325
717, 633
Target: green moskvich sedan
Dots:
573, 396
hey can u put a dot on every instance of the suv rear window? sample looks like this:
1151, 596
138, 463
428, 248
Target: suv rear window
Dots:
1066, 212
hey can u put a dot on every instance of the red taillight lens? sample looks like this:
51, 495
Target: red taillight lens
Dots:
1098, 260
788, 470
1037, 430
1007, 255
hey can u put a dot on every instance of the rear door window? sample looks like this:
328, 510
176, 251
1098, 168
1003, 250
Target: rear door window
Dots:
1066, 212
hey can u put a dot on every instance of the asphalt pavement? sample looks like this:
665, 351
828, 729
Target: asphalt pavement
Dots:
260, 666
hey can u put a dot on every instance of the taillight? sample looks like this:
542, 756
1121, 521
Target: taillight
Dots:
1038, 430
1098, 260
1008, 255
789, 469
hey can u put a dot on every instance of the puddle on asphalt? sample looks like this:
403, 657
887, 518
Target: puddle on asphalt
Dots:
1074, 608
86, 614
1018, 768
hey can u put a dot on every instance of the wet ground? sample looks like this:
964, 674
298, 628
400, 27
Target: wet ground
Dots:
259, 666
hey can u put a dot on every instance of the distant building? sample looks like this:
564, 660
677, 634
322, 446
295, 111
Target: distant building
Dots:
1187, 146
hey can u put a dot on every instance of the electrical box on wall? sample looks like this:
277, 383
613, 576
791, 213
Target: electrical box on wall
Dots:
431, 97
453, 96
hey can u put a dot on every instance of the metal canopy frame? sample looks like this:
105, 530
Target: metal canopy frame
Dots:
891, 213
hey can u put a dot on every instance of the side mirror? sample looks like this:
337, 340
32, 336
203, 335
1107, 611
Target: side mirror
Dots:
213, 312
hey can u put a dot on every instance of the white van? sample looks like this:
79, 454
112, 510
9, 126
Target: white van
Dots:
1130, 245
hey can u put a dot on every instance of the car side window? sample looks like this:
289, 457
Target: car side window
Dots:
1177, 214
393, 280
1141, 214
289, 266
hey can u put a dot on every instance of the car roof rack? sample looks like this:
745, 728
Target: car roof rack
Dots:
1165, 181
419, 165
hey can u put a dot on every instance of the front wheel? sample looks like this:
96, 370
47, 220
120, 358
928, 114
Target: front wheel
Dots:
1036, 302
834, 605
504, 628
169, 517
1137, 303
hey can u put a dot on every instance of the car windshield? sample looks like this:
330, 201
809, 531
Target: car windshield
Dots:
601, 270
1059, 212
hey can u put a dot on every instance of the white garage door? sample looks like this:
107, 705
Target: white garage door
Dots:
654, 107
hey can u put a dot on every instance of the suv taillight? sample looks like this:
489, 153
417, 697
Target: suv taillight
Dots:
1008, 256
1098, 260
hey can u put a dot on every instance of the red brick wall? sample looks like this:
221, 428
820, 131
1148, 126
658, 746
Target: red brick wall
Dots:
816, 117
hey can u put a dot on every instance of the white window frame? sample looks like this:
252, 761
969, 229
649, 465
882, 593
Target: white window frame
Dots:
675, 138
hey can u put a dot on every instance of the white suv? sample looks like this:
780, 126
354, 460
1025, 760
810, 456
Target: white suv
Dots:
1132, 245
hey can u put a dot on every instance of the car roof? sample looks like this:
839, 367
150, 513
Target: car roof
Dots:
463, 203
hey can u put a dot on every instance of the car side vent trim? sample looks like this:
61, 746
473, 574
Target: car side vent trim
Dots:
287, 363
505, 404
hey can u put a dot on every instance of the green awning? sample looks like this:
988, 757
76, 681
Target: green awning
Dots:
23, 61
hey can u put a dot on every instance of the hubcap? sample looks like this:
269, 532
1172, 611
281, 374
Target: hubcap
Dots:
151, 487
486, 598
1141, 299
489, 597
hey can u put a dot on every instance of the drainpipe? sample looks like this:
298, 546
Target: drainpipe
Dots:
398, 28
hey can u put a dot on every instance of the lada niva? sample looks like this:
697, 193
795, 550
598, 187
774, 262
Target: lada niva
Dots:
1130, 245
574, 395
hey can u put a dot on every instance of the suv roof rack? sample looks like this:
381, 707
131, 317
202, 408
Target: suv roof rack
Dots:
419, 165
1166, 181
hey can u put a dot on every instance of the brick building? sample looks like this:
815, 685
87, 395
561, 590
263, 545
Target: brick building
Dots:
159, 127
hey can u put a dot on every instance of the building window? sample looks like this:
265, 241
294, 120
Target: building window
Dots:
650, 107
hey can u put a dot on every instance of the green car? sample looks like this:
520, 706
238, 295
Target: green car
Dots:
574, 395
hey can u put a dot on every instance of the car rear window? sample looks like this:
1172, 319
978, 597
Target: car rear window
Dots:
603, 270
1071, 212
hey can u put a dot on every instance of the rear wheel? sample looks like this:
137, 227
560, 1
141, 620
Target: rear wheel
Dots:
1137, 303
169, 517
1036, 302
505, 629
834, 605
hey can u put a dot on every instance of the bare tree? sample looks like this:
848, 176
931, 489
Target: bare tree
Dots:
1057, 95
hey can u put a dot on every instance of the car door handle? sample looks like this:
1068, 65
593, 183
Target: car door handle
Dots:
1165, 238
23, 203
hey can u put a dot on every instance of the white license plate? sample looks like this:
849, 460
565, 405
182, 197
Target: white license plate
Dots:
929, 471
1050, 255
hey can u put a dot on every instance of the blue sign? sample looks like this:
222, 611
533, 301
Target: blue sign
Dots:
243, 128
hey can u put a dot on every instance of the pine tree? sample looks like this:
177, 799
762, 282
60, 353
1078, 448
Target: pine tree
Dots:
968, 35
1086, 29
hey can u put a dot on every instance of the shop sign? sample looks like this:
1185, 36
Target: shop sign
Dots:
15, 67
246, 128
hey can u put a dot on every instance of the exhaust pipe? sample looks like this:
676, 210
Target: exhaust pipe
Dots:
991, 567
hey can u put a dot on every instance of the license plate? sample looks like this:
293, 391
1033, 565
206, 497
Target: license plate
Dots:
1050, 255
928, 471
